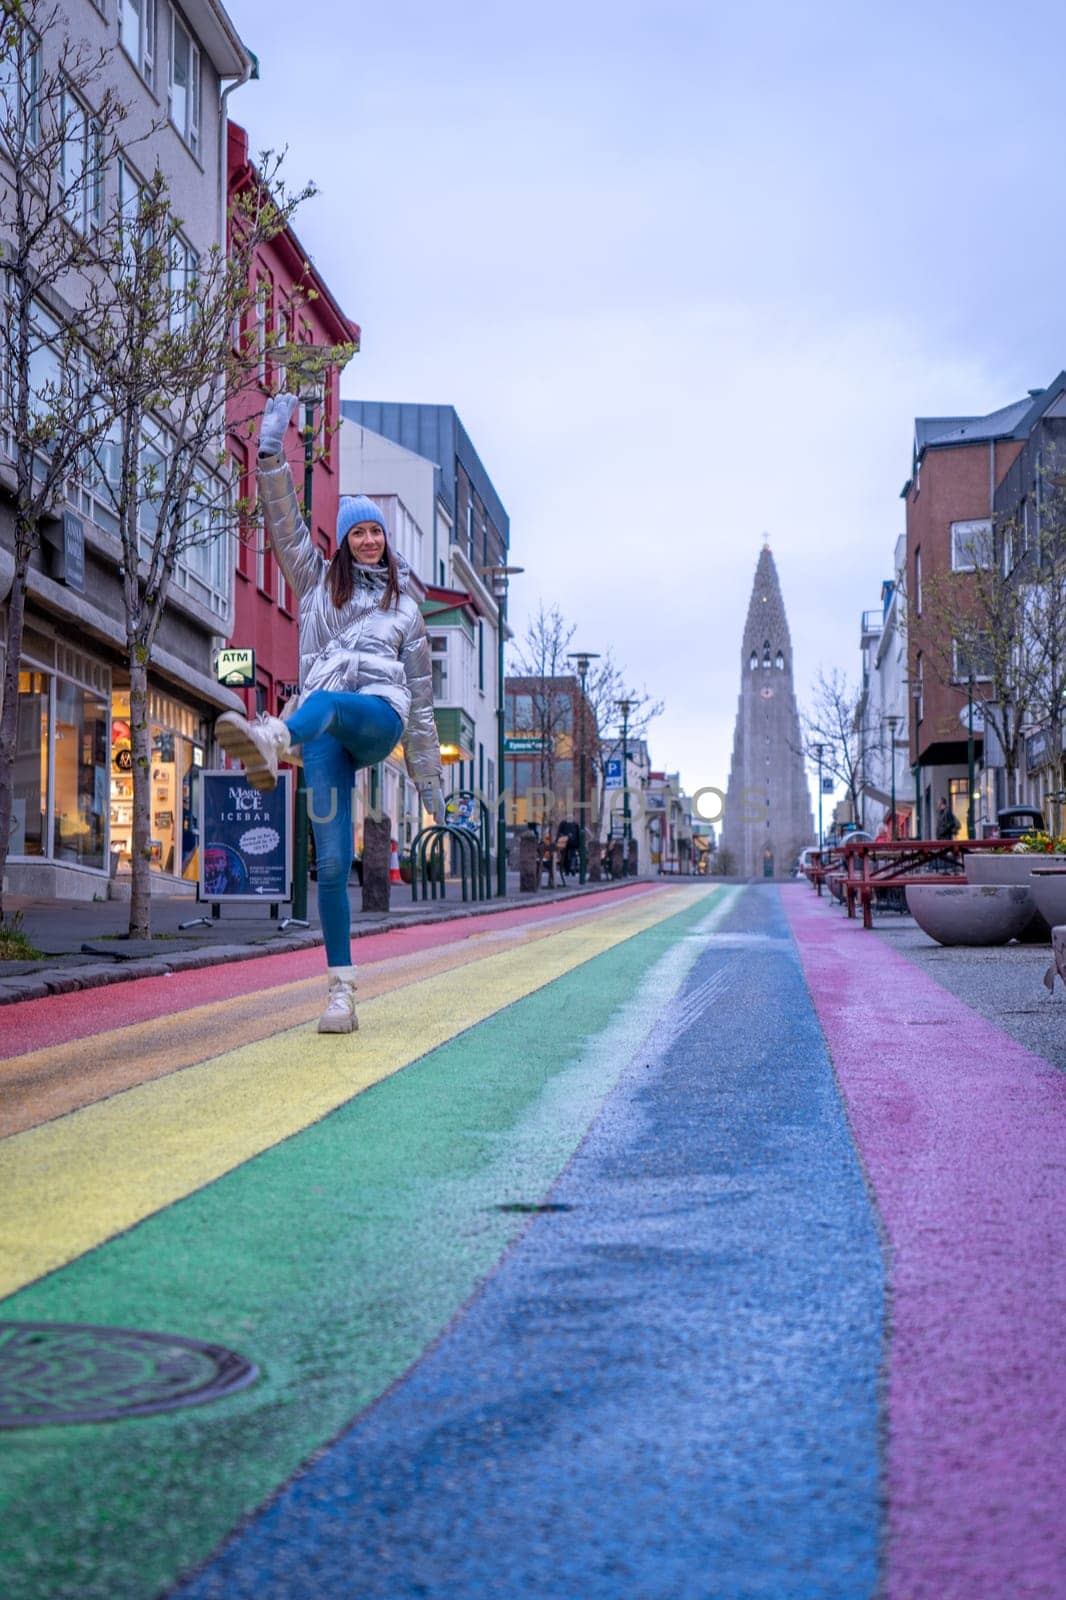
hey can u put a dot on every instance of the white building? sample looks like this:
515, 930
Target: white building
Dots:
882, 732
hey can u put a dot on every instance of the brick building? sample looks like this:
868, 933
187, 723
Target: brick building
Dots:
950, 499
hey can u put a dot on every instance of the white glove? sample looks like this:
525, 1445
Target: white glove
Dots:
433, 799
277, 414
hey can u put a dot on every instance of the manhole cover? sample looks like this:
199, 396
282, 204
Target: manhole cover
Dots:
528, 1207
54, 1372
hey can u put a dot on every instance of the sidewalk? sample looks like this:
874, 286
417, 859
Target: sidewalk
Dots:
83, 943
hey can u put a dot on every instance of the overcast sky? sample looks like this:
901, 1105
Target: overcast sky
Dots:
688, 271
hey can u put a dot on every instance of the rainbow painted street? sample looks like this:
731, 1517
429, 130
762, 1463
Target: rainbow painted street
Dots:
675, 1241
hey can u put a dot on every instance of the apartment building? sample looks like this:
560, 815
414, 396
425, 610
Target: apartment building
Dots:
174, 67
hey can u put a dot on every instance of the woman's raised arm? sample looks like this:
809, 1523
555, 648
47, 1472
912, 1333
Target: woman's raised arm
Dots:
297, 554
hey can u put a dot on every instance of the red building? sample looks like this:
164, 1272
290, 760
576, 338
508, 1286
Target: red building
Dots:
291, 305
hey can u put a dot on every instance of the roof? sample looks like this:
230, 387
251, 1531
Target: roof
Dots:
970, 430
242, 169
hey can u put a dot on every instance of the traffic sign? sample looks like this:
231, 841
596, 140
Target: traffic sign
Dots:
612, 773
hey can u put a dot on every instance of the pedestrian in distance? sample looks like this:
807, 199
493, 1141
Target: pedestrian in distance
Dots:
366, 685
947, 823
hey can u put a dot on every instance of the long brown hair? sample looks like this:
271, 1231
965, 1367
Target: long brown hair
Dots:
340, 576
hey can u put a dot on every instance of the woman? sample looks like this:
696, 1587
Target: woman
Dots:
365, 684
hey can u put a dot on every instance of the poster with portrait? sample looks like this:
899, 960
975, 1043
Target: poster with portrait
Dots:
245, 839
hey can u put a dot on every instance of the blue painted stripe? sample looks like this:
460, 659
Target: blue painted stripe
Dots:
670, 1390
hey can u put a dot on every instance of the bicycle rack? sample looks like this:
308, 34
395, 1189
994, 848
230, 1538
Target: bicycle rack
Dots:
427, 863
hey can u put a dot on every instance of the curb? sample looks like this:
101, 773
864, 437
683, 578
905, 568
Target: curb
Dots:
59, 980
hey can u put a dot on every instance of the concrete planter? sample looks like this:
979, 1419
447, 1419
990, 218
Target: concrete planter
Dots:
1048, 889
993, 867
970, 913
989, 866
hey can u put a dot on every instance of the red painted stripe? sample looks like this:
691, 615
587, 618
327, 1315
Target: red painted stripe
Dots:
38, 1024
962, 1132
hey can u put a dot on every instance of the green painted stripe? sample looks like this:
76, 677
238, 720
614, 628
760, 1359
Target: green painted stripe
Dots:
331, 1260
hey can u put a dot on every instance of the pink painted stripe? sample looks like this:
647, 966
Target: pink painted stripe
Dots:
29, 1025
963, 1134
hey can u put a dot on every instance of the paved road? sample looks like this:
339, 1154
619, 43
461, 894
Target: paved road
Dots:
676, 1243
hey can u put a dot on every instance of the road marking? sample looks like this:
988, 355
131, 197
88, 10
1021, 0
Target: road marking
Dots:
75, 1182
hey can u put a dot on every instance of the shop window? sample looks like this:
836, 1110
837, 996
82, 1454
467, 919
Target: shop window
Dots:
81, 775
30, 778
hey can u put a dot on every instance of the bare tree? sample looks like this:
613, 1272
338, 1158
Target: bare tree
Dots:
834, 733
59, 129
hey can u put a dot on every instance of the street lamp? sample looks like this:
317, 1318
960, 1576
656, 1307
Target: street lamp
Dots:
893, 724
583, 660
969, 754
625, 707
818, 751
499, 578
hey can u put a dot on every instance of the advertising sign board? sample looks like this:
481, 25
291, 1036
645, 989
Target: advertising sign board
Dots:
245, 838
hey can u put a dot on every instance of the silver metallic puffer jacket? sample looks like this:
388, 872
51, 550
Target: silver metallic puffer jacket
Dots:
359, 647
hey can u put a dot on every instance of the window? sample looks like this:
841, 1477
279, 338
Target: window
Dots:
261, 559
918, 581
184, 83
1008, 552
919, 688
153, 466
79, 166
766, 655
181, 283
779, 661
129, 205
20, 78
46, 367
438, 648
262, 305
971, 656
753, 661
971, 545
205, 562
246, 533
136, 30
281, 588
481, 655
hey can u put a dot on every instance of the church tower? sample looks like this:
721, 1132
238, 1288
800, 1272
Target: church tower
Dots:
767, 818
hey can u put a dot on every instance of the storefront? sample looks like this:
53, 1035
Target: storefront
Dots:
72, 795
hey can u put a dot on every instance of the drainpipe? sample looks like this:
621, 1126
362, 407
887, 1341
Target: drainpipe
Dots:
251, 71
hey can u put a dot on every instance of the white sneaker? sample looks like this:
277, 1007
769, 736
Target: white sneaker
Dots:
339, 1015
257, 745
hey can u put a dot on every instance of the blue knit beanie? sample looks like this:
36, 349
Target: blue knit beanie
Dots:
356, 508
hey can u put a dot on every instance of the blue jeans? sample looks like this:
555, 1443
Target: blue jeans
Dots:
338, 734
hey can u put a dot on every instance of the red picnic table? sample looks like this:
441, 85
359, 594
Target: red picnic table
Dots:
873, 865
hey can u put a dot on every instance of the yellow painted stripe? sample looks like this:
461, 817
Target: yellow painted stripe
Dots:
53, 1081
75, 1182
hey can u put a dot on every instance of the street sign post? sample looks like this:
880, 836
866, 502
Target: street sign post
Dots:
612, 773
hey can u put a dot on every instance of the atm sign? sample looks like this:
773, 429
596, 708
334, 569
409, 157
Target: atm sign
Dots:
236, 668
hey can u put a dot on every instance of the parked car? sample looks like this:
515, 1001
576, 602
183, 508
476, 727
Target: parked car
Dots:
1016, 820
